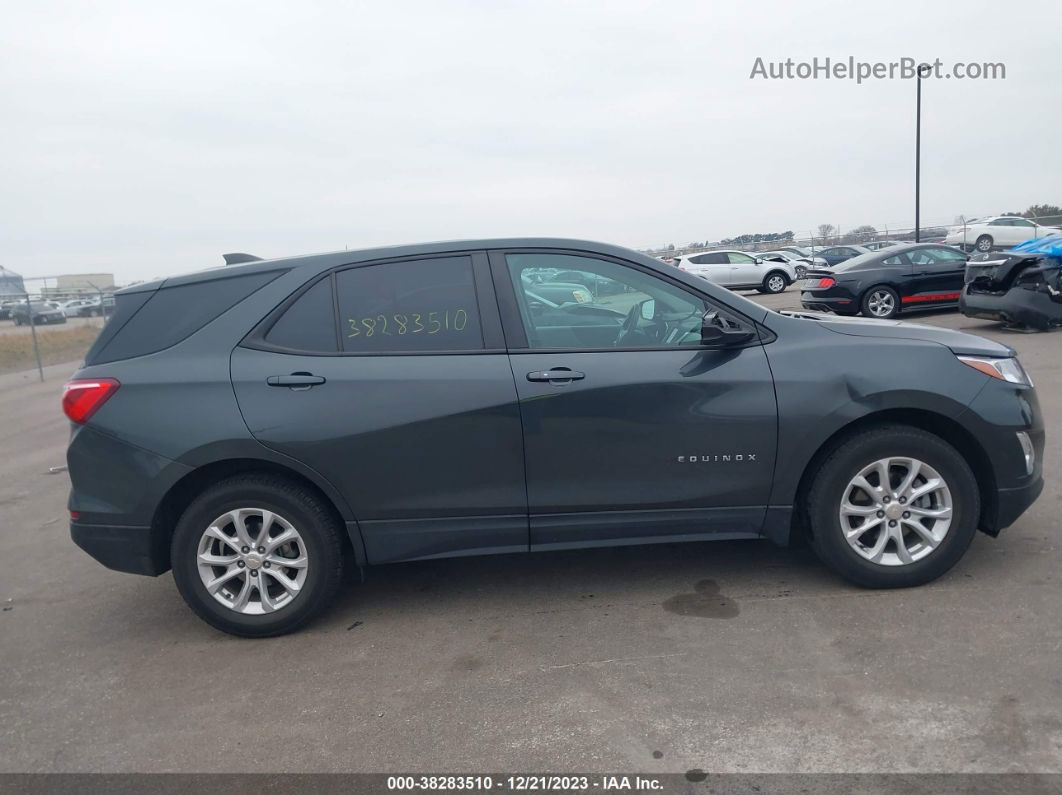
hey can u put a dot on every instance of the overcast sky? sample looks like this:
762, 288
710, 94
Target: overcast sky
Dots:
148, 138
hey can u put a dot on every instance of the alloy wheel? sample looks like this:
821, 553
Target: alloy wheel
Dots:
881, 303
896, 511
252, 560
776, 284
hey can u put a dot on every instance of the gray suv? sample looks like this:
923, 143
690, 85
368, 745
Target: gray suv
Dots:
262, 427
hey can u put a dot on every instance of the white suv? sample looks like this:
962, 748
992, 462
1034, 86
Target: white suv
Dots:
997, 231
739, 270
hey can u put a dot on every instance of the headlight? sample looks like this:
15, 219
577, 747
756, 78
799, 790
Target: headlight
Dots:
1003, 369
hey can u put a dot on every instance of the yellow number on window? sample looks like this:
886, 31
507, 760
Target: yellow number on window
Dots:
354, 330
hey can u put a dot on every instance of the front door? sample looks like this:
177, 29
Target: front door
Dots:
936, 276
743, 269
646, 434
391, 380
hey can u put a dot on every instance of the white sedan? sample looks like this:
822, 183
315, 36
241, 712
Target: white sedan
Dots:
997, 231
739, 270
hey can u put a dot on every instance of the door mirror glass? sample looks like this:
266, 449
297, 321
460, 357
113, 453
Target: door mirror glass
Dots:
647, 309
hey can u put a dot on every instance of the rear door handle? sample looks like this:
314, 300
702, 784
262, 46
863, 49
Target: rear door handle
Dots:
295, 380
556, 375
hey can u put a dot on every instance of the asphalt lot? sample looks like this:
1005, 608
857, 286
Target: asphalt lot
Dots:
720, 656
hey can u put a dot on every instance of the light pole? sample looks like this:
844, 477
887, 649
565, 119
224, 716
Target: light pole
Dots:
923, 69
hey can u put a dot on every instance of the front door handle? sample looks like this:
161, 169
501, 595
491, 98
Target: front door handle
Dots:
556, 375
297, 381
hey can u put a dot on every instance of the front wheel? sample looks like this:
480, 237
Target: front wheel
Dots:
893, 507
801, 271
881, 302
257, 555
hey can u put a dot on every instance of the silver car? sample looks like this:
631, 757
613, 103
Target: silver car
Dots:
740, 270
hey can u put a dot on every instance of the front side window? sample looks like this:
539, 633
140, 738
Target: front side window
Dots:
948, 255
740, 259
627, 308
417, 305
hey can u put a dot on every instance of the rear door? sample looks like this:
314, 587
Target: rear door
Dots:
391, 380
646, 435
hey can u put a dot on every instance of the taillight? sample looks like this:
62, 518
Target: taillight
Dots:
826, 281
82, 398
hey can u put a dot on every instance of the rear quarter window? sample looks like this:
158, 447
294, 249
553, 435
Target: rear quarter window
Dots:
154, 321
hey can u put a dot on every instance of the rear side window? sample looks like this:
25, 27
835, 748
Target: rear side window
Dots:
309, 324
172, 314
418, 305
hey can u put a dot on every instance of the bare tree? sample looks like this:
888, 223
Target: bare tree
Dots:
825, 230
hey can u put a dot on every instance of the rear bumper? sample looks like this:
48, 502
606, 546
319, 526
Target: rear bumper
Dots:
136, 550
1031, 308
830, 303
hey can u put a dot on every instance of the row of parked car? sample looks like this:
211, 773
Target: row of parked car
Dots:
49, 312
770, 271
882, 279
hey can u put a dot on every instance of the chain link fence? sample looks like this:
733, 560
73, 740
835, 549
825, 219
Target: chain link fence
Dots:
42, 326
827, 235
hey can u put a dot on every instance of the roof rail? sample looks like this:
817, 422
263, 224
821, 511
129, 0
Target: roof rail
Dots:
237, 257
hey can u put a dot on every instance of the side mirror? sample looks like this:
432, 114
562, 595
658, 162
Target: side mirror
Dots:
757, 260
647, 309
718, 331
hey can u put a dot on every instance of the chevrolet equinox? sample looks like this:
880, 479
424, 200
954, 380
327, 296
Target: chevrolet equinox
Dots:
262, 427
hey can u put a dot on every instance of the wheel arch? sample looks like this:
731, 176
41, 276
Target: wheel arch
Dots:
181, 494
939, 425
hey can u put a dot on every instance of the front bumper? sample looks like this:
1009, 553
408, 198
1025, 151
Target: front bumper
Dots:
1032, 308
1012, 503
136, 550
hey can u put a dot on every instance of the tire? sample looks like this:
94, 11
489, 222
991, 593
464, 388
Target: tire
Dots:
833, 483
880, 302
319, 544
984, 243
801, 271
774, 282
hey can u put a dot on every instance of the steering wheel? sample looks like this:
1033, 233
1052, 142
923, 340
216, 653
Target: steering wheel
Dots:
630, 327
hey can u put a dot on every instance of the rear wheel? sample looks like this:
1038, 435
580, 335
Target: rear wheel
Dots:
774, 282
257, 555
881, 302
984, 243
893, 507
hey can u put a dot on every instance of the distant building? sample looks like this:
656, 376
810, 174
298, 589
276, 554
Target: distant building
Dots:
78, 283
11, 283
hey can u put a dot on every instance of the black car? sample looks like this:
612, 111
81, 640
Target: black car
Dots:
37, 312
884, 283
262, 427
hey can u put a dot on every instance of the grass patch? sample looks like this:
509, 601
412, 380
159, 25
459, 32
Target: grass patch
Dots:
57, 345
